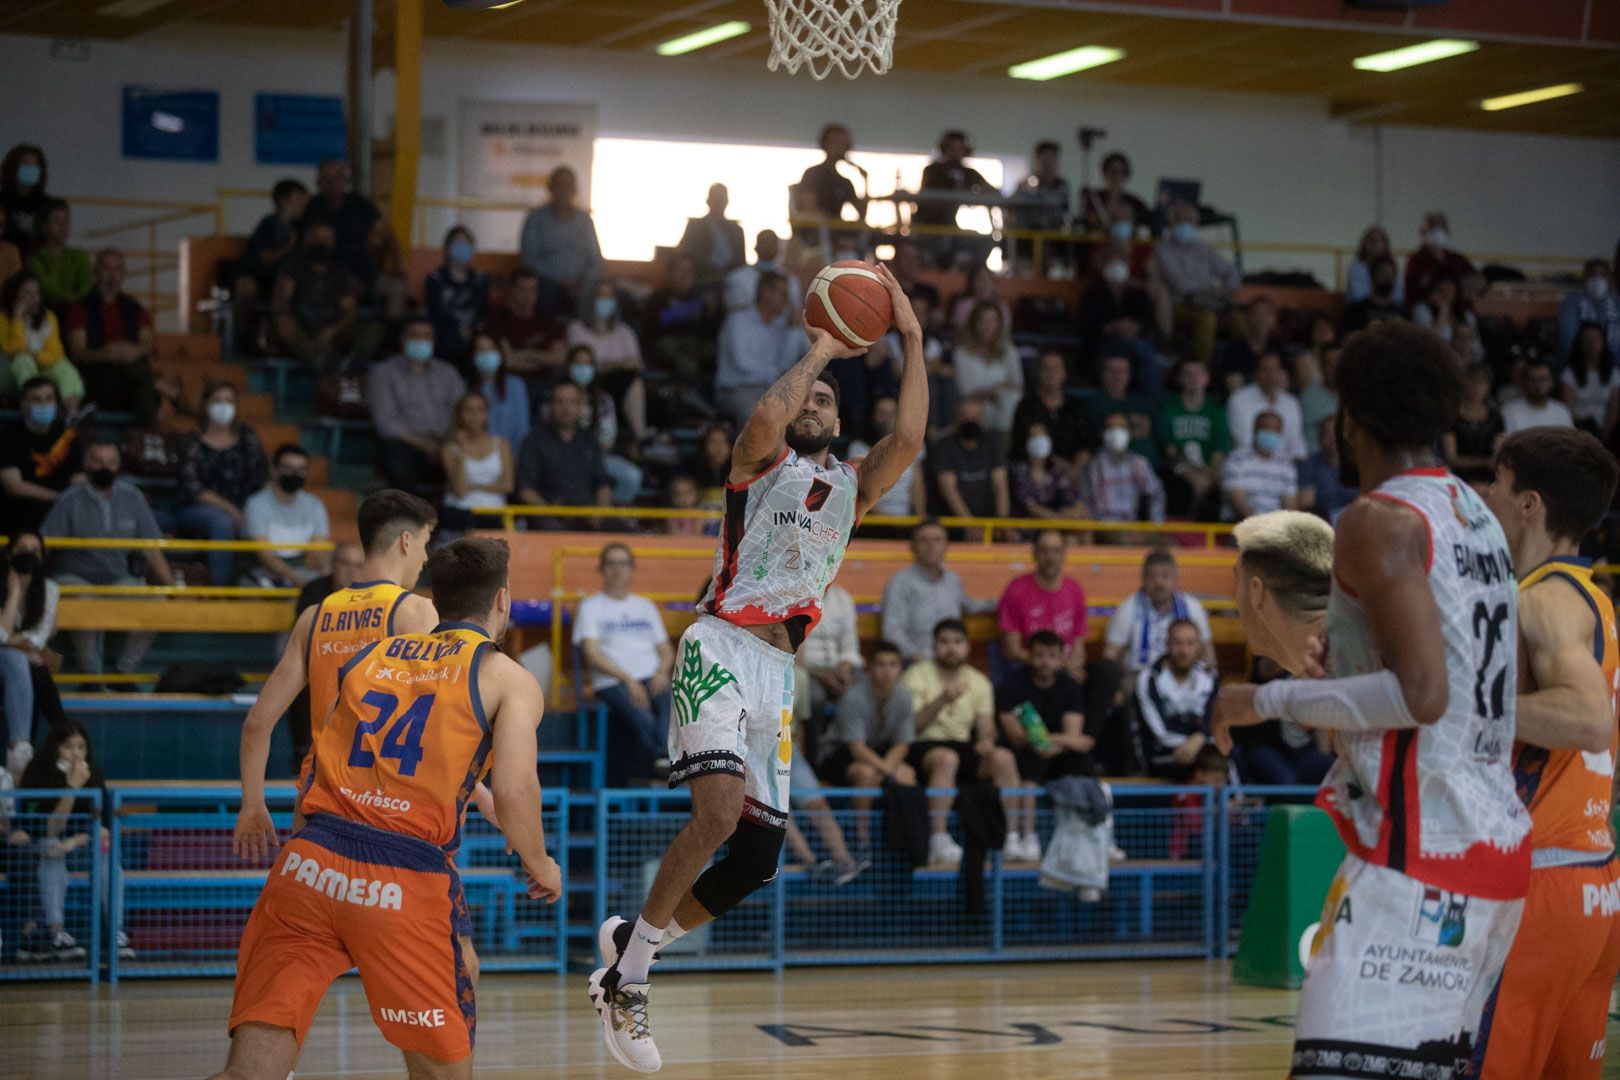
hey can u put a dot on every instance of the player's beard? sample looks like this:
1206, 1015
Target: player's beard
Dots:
801, 442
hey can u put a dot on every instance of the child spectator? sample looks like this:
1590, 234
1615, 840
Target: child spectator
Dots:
1210, 768
1041, 713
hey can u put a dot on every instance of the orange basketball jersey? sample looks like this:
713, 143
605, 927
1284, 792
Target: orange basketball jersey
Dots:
1568, 791
346, 622
409, 739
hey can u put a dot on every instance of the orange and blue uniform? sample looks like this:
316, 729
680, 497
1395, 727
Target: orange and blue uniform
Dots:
343, 624
370, 881
1550, 1012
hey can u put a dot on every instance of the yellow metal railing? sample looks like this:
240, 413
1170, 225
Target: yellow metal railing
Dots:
154, 259
166, 543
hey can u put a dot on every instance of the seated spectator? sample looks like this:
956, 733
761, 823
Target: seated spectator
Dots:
628, 662
920, 596
1193, 282
315, 312
478, 470
1119, 484
64, 272
1048, 404
1041, 691
907, 266
954, 716
105, 507
31, 343
1594, 302
274, 239
868, 744
988, 367
1239, 359
533, 341
1114, 395
456, 295
1359, 278
40, 455
1383, 300
742, 284
829, 661
948, 173
618, 358
11, 260
110, 339
711, 466
387, 294
413, 399
601, 418
1591, 382
757, 344
1267, 393
1109, 207
1322, 489
908, 496
1442, 310
981, 289
1470, 446
1042, 485
284, 512
1197, 439
970, 467
1434, 256
559, 246
222, 462
1262, 478
23, 196
350, 215
1537, 407
560, 464
1174, 698
1314, 373
714, 242
681, 493
27, 621
1139, 630
683, 321
1117, 314
503, 389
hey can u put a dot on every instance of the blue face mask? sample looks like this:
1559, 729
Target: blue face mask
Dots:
43, 414
1268, 442
606, 307
27, 174
1122, 230
417, 349
487, 361
461, 252
581, 373
1184, 232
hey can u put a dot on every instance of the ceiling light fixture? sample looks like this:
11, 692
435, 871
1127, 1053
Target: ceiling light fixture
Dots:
714, 35
1065, 63
1412, 55
1530, 97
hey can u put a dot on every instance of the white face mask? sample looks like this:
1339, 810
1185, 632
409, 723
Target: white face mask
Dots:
1039, 446
1597, 288
222, 413
1116, 273
1116, 439
1437, 238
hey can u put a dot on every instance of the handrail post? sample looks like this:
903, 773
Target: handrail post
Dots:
556, 619
989, 535
151, 267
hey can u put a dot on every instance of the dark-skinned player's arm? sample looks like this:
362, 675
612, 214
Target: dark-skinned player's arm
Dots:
515, 706
887, 461
1381, 556
760, 442
1571, 707
255, 831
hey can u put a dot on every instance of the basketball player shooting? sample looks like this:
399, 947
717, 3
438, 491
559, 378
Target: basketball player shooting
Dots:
790, 509
1421, 626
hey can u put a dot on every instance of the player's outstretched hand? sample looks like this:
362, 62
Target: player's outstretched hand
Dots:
1234, 707
255, 834
823, 342
545, 881
904, 318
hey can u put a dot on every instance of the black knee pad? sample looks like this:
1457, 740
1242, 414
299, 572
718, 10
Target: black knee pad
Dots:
752, 855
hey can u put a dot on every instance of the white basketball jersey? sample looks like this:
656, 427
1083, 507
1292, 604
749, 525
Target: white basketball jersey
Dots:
1438, 802
782, 541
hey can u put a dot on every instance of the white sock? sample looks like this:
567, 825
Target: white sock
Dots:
674, 932
637, 957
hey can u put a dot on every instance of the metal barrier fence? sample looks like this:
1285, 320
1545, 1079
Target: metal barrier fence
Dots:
54, 892
1238, 835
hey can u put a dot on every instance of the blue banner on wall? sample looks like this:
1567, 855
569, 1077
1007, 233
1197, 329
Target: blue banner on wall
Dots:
298, 129
175, 125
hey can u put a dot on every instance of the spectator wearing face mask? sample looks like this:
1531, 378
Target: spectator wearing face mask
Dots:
1382, 301
23, 197
506, 392
283, 512
1111, 208
222, 463
618, 357
1262, 477
1267, 393
1594, 302
315, 312
40, 455
1042, 484
1434, 256
1358, 279
970, 467
457, 295
1120, 485
1114, 395
1118, 314
413, 398
1193, 284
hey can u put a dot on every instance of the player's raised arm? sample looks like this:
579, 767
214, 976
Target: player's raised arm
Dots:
517, 705
761, 440
1571, 709
255, 831
887, 461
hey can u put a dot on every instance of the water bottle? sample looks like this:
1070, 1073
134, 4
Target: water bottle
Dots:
1034, 726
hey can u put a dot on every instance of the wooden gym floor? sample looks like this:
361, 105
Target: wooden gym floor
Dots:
1169, 1020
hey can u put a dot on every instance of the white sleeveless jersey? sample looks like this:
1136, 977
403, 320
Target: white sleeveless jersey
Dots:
1438, 802
782, 541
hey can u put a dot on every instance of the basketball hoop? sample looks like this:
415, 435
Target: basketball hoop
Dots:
825, 34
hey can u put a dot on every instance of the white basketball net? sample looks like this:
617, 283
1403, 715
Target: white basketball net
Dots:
826, 34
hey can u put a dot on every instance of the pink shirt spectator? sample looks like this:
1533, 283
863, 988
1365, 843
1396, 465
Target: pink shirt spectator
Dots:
1026, 607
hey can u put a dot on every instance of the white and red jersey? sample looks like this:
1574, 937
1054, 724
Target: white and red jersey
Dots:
782, 541
1438, 802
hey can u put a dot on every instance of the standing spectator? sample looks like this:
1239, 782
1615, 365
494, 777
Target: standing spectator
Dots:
908, 496
27, 621
683, 321
1120, 484
413, 398
1040, 202
601, 419
40, 455
946, 174
918, 597
222, 463
274, 240
315, 312
1174, 698
1241, 358
560, 463
31, 343
714, 242
757, 344
1106, 208
1433, 256
1537, 407
105, 507
618, 357
457, 295
1322, 489
1382, 301
823, 192
970, 467
869, 742
629, 660
1358, 279
1048, 404
559, 245
1594, 302
478, 470
1052, 695
988, 367
11, 259
1268, 393
534, 342
1470, 446
23, 197
1263, 477
110, 339
350, 215
829, 660
742, 284
503, 389
283, 512
1114, 395
1591, 381
1118, 315
1197, 437
64, 272
1194, 283
1042, 485
981, 289
1139, 629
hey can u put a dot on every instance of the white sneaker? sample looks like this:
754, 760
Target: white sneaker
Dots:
1012, 847
943, 851
625, 1030
1031, 851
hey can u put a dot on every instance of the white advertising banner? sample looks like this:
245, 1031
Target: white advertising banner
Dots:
507, 154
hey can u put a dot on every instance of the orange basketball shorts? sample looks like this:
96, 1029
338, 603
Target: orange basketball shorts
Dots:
341, 895
1550, 1013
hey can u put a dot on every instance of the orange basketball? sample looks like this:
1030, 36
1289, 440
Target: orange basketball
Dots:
849, 300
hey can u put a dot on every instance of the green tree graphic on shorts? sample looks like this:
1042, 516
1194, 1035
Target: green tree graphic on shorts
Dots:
693, 686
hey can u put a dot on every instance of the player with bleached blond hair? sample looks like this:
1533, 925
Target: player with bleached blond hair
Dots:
1283, 575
